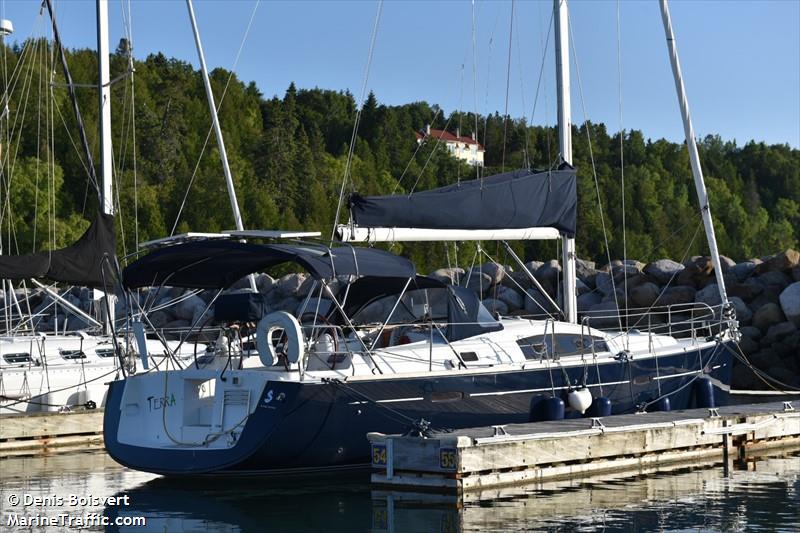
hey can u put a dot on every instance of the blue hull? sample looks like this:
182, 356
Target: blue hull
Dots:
324, 425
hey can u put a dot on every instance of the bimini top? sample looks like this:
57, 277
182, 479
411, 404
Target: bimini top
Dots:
217, 264
512, 200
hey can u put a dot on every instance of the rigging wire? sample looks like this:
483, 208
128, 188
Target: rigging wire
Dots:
545, 43
211, 128
508, 83
354, 135
475, 79
414, 155
587, 127
622, 159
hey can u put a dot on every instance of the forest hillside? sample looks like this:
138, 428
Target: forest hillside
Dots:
289, 152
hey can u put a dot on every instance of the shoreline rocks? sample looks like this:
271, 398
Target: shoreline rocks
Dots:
764, 292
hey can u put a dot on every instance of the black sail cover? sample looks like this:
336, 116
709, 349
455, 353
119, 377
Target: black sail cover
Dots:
512, 200
81, 263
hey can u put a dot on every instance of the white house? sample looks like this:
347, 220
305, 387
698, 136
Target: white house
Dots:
466, 148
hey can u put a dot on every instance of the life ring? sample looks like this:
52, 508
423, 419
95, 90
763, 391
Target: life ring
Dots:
294, 345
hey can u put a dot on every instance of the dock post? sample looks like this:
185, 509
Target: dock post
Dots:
726, 456
389, 458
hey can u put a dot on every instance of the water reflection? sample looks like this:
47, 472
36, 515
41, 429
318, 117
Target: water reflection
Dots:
764, 495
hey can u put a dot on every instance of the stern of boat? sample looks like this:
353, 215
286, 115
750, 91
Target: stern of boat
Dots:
192, 421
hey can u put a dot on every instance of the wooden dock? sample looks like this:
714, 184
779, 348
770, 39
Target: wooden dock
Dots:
42, 433
479, 458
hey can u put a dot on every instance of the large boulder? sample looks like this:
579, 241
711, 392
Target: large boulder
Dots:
768, 315
604, 283
604, 315
478, 282
709, 295
663, 270
536, 304
289, 284
585, 269
581, 287
517, 280
495, 271
780, 262
751, 331
629, 269
306, 287
774, 278
510, 297
697, 272
743, 313
746, 290
790, 302
264, 283
770, 295
726, 263
748, 345
450, 275
778, 332
680, 294
533, 266
549, 271
588, 300
743, 270
495, 306
645, 294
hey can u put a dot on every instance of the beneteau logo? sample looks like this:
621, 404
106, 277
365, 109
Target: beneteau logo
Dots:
154, 403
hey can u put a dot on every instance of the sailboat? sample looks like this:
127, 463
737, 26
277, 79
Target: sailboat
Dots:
377, 347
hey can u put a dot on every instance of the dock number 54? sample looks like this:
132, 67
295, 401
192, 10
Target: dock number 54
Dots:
378, 455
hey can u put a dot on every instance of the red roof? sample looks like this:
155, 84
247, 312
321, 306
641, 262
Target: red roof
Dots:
448, 137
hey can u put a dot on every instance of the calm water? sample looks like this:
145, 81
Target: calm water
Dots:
763, 495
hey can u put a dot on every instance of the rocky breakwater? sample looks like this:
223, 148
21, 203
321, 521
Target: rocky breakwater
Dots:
764, 292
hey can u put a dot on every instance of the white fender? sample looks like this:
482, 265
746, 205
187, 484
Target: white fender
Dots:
580, 399
295, 347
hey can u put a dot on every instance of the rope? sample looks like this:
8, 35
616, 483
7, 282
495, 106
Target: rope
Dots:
354, 134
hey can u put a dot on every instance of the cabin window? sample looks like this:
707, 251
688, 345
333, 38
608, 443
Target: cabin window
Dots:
105, 352
468, 357
73, 354
14, 358
540, 346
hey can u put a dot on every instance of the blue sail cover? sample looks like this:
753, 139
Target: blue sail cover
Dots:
512, 200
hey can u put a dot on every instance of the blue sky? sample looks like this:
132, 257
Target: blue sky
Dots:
741, 59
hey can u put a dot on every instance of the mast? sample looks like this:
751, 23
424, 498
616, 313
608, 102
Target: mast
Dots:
223, 155
104, 92
561, 22
691, 144
106, 162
